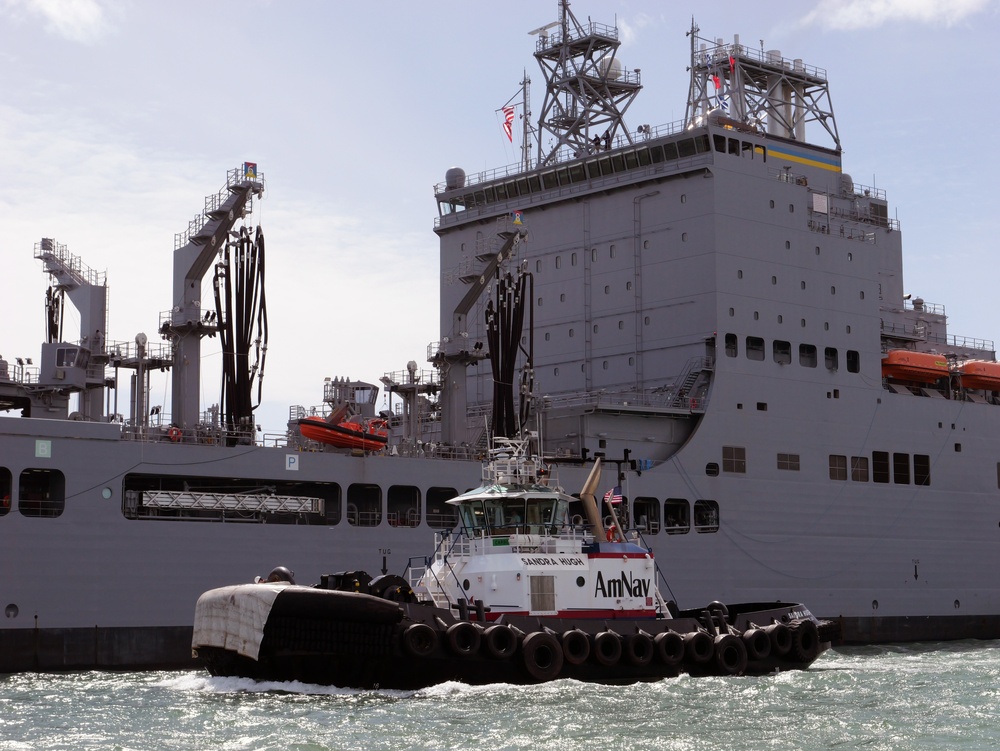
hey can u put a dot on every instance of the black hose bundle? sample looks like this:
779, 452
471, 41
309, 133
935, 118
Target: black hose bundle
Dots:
242, 314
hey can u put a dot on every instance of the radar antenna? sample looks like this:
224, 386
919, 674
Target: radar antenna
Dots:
586, 89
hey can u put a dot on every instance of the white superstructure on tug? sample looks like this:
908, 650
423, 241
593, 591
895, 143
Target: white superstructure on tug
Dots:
521, 548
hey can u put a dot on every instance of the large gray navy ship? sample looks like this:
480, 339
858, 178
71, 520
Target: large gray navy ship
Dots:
713, 306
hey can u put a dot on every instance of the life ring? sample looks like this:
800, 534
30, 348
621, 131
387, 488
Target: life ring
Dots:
542, 655
5, 503
419, 639
174, 434
612, 533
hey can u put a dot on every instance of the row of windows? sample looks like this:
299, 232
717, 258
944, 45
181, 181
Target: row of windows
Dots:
42, 493
675, 516
781, 353
802, 282
883, 464
885, 467
581, 171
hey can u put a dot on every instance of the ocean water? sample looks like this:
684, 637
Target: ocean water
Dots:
930, 696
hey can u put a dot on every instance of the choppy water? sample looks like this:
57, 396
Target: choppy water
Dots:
934, 696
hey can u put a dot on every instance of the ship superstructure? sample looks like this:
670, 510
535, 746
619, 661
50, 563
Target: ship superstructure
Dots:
713, 306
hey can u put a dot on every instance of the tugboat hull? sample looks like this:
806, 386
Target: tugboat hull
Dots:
356, 640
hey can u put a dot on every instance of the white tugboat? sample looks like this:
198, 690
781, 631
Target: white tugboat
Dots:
524, 591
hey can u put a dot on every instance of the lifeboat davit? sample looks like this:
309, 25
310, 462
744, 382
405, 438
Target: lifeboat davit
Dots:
919, 367
352, 433
980, 374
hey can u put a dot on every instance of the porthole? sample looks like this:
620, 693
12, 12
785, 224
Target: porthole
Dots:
684, 237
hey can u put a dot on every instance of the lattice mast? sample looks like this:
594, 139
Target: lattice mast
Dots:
586, 89
758, 89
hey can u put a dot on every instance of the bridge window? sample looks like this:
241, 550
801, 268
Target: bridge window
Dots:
364, 505
732, 345
853, 361
41, 493
859, 468
782, 352
830, 356
755, 348
403, 506
880, 466
439, 514
921, 469
734, 459
788, 462
901, 469
706, 516
646, 512
677, 512
838, 467
807, 355
5, 488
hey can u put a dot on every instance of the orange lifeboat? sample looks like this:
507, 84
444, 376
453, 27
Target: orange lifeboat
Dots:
980, 374
349, 434
918, 367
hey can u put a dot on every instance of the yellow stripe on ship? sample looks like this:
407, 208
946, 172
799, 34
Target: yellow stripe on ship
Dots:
813, 160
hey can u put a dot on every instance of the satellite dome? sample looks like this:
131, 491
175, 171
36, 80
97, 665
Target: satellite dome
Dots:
454, 178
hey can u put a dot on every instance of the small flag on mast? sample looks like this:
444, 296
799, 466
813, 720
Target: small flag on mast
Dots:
508, 120
614, 495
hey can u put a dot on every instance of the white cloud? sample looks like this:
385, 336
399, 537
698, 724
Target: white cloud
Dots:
83, 21
861, 14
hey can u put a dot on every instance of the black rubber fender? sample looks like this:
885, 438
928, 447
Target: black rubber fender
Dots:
607, 648
805, 640
781, 639
639, 649
463, 638
542, 655
698, 647
669, 648
730, 655
575, 646
757, 643
499, 641
419, 639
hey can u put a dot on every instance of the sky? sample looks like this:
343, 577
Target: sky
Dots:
117, 118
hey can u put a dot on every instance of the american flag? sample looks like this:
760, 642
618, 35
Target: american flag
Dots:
614, 495
508, 115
